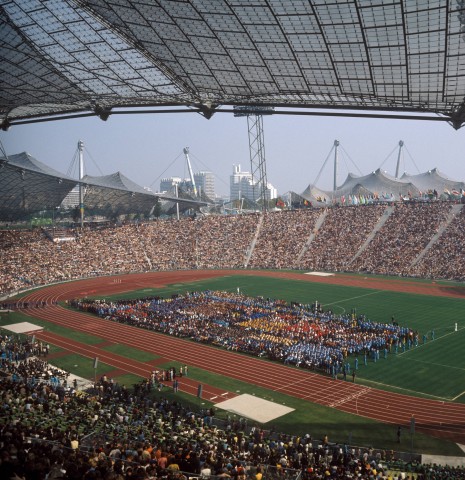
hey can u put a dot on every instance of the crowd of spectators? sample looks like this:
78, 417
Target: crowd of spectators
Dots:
50, 430
343, 232
405, 234
445, 258
294, 334
287, 239
282, 237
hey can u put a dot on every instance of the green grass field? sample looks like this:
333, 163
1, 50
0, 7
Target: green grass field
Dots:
435, 369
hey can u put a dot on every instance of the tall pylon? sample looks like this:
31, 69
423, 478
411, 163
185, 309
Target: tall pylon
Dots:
256, 148
401, 144
81, 186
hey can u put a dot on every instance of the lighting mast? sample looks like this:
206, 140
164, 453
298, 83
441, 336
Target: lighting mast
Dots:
254, 116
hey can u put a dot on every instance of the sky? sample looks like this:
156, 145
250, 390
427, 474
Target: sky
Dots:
148, 147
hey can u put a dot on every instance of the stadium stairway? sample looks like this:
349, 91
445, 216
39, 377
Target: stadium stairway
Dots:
254, 241
312, 235
454, 211
387, 213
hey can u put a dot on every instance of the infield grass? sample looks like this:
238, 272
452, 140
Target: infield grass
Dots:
435, 369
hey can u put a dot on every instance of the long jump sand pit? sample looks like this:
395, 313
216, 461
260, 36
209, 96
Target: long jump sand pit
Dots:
320, 274
23, 327
257, 409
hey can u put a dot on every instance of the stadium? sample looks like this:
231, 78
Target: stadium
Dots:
305, 342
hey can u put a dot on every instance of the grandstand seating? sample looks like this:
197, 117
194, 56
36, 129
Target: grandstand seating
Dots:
59, 234
53, 430
347, 240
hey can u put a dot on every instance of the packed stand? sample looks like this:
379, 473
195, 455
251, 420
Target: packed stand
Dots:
341, 235
282, 237
445, 258
28, 258
407, 231
51, 430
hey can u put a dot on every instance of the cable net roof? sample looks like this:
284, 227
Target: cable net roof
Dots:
28, 186
117, 194
65, 56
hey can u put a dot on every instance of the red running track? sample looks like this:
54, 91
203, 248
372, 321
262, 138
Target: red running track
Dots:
125, 365
445, 419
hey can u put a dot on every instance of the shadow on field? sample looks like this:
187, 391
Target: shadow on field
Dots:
456, 291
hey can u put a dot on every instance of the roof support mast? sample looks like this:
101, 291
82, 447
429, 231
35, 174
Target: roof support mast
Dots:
401, 144
189, 167
336, 144
81, 186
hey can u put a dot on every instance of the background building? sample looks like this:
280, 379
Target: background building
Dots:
242, 185
168, 185
205, 183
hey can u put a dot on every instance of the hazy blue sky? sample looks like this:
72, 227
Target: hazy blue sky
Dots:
143, 146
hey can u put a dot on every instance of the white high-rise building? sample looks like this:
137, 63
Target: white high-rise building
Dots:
242, 185
205, 183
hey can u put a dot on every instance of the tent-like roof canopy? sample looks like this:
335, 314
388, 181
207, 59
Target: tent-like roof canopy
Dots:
381, 185
100, 57
378, 182
28, 186
117, 194
433, 180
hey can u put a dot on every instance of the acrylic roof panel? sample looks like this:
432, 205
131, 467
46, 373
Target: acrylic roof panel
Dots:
27, 185
64, 56
116, 181
117, 193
